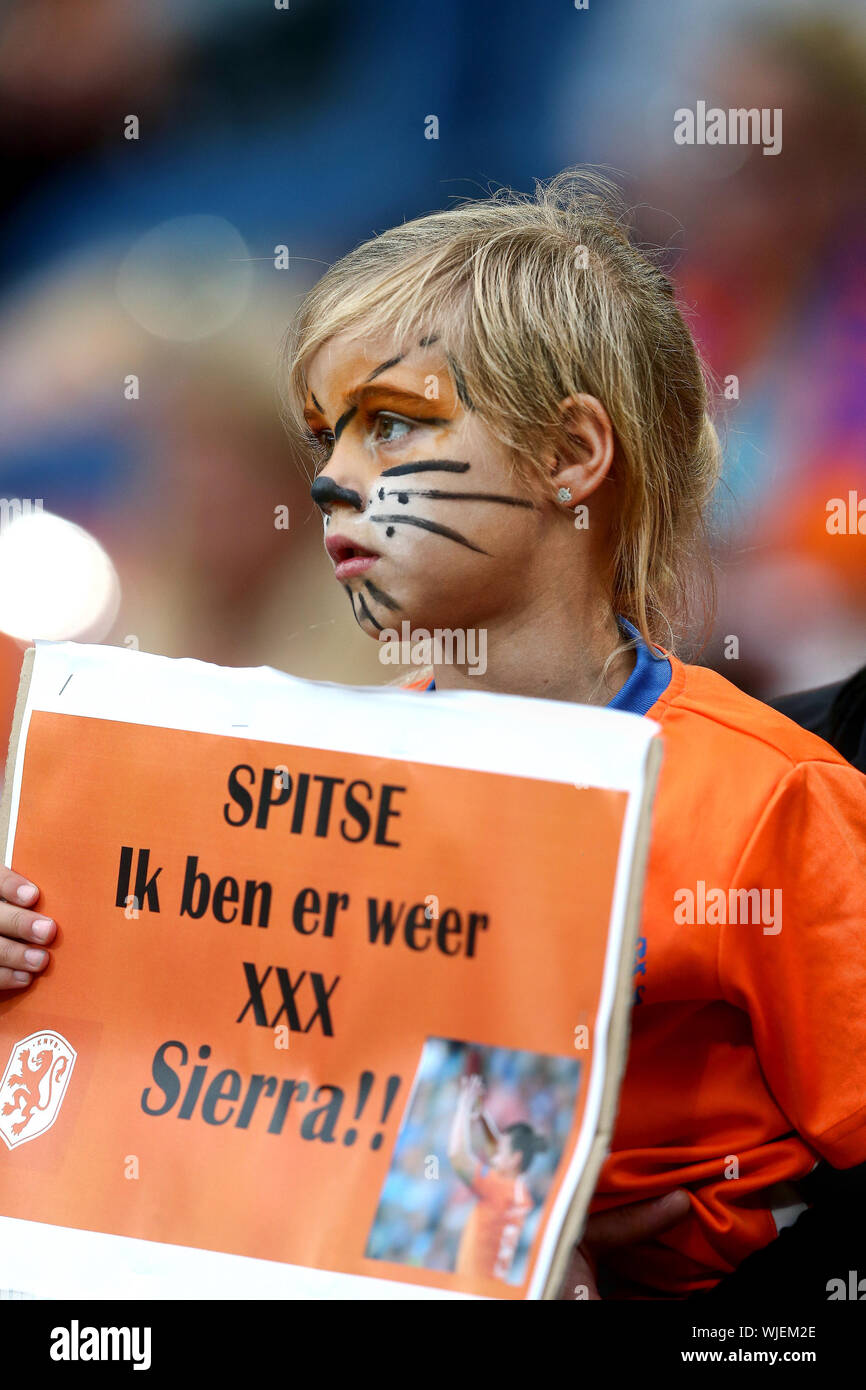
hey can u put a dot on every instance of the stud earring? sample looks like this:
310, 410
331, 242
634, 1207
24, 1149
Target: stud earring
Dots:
564, 494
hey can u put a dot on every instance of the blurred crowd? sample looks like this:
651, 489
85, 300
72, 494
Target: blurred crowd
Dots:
142, 310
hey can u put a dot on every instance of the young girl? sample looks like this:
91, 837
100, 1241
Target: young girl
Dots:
510, 422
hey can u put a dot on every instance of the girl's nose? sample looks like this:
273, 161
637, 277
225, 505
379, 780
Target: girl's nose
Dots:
325, 492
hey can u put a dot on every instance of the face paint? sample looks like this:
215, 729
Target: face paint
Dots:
436, 527
426, 466
343, 422
325, 491
460, 384
381, 597
366, 612
383, 367
455, 496
423, 566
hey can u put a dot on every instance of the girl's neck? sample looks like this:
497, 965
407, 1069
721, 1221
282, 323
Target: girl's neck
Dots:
557, 653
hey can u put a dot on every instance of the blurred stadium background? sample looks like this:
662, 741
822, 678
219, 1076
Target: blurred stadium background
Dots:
305, 127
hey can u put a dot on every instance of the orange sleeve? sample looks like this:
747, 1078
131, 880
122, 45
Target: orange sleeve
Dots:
802, 978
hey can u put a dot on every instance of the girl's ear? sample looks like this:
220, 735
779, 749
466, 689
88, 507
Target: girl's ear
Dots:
586, 463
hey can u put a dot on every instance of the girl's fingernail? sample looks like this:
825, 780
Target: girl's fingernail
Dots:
27, 892
21, 978
35, 957
42, 928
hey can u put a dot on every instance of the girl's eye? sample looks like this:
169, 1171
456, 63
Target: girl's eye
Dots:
389, 428
321, 446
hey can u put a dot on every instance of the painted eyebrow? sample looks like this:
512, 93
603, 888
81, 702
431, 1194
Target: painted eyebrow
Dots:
410, 398
343, 421
383, 367
392, 362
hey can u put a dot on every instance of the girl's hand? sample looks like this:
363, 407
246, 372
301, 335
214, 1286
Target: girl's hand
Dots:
24, 933
615, 1229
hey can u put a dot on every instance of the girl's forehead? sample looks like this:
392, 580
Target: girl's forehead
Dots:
364, 357
349, 365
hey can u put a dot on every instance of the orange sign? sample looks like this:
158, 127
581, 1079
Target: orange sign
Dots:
322, 1008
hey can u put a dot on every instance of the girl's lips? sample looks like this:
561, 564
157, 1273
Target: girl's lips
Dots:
346, 569
349, 558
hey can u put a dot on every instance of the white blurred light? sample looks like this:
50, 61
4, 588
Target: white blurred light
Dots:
56, 580
187, 278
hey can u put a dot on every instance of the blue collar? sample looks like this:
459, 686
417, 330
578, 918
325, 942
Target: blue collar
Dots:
648, 681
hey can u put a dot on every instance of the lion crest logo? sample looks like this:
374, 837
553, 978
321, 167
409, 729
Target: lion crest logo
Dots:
33, 1086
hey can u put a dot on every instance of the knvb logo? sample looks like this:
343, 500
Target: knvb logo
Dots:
33, 1086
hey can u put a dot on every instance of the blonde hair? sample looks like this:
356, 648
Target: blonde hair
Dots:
536, 298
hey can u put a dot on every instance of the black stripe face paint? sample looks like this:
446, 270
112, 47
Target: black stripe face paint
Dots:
381, 597
367, 614
460, 384
447, 531
383, 367
354, 611
455, 496
425, 466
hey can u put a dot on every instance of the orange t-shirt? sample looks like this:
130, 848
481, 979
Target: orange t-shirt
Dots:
747, 1058
493, 1227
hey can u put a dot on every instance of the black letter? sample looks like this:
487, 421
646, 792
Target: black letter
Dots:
123, 876
300, 910
146, 887
385, 814
190, 880
357, 812
254, 984
166, 1078
328, 785
215, 1093
266, 801
240, 794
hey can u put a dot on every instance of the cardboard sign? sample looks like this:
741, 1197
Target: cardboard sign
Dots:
339, 997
